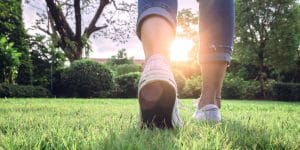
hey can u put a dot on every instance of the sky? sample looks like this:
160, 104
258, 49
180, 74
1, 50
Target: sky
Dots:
102, 48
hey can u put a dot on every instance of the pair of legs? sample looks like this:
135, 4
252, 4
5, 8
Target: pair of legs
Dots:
156, 28
157, 35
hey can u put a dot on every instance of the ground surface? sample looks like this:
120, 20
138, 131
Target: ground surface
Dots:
113, 124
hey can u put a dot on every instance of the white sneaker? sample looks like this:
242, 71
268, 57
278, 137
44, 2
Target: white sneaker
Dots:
176, 121
209, 112
157, 94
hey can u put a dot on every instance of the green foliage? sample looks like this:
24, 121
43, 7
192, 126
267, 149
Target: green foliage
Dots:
187, 20
188, 69
267, 36
46, 61
235, 87
126, 68
121, 64
9, 61
192, 87
24, 72
86, 78
57, 83
284, 40
270, 88
120, 58
180, 81
245, 71
23, 91
126, 75
12, 27
287, 91
127, 85
10, 17
267, 31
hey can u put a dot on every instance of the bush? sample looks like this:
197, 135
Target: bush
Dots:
180, 81
57, 83
287, 91
127, 68
192, 87
270, 84
235, 87
232, 87
127, 85
23, 91
86, 78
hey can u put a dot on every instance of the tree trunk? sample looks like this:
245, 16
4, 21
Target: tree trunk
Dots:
75, 55
10, 77
262, 81
78, 54
2, 74
67, 37
261, 63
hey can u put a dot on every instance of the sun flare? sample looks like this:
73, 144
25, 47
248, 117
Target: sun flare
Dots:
180, 48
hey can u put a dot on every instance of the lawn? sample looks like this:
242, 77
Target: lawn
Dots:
113, 124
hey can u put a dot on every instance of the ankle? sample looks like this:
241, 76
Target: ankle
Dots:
204, 102
218, 101
160, 54
157, 58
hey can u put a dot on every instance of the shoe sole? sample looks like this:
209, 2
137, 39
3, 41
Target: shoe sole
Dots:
156, 101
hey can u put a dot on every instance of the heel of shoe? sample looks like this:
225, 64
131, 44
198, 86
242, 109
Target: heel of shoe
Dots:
156, 101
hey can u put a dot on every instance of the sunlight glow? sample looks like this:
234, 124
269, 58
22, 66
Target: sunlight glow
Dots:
180, 49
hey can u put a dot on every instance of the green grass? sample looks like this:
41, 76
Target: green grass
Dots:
113, 124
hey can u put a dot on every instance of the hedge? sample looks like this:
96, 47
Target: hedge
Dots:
23, 91
86, 78
126, 85
287, 91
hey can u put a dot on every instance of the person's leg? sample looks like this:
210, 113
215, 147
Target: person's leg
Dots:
156, 26
216, 40
219, 94
212, 79
157, 88
156, 36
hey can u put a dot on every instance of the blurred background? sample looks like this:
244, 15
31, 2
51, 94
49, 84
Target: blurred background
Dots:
76, 48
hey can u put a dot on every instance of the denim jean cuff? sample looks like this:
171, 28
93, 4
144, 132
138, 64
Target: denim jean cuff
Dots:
155, 11
214, 57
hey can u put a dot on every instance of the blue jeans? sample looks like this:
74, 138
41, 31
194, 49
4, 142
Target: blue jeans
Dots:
216, 25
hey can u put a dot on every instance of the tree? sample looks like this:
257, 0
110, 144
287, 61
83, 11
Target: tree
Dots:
187, 22
121, 64
46, 61
188, 28
63, 22
120, 58
10, 61
12, 27
266, 35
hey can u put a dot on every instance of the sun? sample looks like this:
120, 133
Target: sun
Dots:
180, 48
